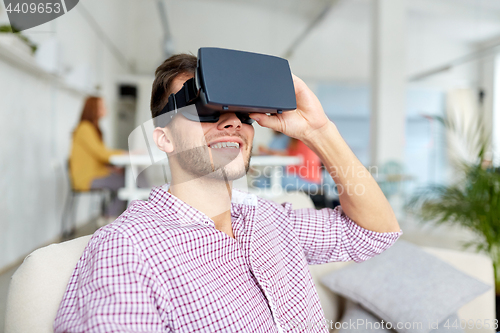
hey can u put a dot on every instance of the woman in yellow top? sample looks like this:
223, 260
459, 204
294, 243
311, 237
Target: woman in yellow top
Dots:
89, 159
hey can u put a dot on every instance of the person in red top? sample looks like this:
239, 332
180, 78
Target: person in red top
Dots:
310, 169
305, 176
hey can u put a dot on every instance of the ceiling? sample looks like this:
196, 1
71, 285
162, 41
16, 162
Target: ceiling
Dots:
338, 47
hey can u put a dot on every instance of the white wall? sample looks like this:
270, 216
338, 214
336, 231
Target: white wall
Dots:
33, 144
337, 50
37, 117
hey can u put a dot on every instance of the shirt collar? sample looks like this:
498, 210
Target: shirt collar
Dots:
160, 196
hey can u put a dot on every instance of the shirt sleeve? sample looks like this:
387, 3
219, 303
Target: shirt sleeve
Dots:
112, 289
89, 138
329, 235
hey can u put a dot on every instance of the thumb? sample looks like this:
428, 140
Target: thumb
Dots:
272, 122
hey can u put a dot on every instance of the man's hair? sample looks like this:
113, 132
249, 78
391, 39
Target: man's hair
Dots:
164, 75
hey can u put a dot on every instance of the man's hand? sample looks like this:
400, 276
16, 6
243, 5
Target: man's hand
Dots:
361, 197
301, 122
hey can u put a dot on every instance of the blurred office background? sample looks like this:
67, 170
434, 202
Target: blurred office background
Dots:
383, 70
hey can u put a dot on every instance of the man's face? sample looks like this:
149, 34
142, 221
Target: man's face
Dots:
218, 150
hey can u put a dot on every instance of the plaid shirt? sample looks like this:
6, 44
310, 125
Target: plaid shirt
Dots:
163, 267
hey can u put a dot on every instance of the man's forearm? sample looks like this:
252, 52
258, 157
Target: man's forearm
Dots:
360, 196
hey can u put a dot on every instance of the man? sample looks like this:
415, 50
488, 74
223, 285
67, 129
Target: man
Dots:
201, 257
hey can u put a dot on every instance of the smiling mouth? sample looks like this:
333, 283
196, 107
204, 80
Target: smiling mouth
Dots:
220, 145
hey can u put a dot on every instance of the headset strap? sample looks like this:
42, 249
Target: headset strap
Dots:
186, 96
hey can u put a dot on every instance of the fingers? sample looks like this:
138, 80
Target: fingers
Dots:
298, 84
272, 122
306, 99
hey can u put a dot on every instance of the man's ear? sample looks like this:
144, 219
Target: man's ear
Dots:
163, 139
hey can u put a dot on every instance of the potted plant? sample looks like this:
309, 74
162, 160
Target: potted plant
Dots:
473, 199
13, 38
473, 203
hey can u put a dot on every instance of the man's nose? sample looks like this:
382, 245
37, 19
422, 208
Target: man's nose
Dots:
229, 120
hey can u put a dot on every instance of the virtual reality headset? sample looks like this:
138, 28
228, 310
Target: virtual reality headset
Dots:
234, 81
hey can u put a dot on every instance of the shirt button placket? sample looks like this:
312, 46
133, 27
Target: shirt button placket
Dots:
273, 312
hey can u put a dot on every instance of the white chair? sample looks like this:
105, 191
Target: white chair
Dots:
38, 285
473, 264
68, 218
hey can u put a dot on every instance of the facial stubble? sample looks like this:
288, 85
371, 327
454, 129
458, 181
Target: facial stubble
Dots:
202, 161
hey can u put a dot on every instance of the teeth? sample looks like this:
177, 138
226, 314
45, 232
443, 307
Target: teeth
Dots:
225, 144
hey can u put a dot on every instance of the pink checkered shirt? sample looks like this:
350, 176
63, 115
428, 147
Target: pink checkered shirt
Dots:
163, 267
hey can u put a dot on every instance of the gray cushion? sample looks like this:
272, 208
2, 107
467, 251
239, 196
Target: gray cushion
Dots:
357, 319
406, 284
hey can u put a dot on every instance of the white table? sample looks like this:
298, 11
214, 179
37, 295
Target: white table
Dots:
133, 163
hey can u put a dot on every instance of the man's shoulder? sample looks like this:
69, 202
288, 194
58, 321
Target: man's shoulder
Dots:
139, 220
